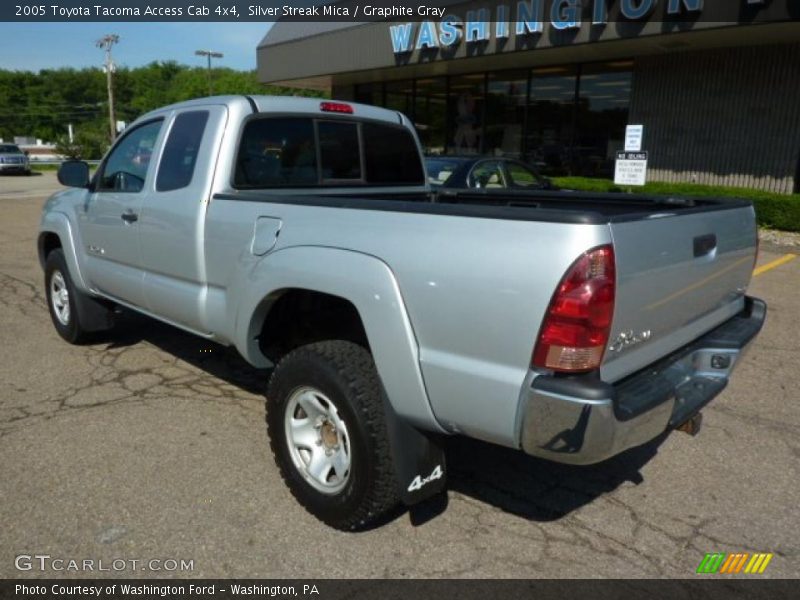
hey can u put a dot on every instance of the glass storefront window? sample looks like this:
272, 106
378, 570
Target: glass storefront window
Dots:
369, 93
430, 114
562, 119
505, 113
601, 116
548, 135
399, 95
465, 108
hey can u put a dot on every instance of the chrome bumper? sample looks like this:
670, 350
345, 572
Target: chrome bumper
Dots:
582, 420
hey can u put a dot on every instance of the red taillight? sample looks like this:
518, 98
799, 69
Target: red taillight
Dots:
576, 326
336, 107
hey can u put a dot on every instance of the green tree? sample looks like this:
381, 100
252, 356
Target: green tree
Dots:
43, 104
89, 143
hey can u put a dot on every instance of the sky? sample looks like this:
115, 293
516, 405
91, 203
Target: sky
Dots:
35, 46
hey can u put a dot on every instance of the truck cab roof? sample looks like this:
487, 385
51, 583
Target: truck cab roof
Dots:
287, 105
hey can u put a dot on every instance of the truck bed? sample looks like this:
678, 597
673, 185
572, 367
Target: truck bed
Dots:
548, 206
682, 263
611, 207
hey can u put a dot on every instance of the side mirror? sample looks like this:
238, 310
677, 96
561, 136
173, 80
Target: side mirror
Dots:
27, 153
74, 173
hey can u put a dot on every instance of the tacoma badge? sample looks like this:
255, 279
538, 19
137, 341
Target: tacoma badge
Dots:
626, 339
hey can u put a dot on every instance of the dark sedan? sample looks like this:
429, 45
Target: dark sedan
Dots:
483, 172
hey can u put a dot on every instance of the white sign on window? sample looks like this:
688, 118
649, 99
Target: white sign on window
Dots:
631, 168
633, 138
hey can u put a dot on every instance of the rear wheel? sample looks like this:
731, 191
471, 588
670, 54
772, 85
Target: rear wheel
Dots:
327, 429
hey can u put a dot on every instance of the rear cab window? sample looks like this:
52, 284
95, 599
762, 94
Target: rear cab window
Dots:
339, 151
391, 156
289, 151
278, 152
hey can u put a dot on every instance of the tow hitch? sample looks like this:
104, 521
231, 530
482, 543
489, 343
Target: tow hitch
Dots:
692, 424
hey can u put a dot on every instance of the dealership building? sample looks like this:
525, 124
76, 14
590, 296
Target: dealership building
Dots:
715, 84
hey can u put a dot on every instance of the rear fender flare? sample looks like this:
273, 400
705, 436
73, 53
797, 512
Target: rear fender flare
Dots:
369, 284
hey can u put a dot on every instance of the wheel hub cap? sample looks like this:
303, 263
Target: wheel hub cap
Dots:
329, 436
59, 297
318, 440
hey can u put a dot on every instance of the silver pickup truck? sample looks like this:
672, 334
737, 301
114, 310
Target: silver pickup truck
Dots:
303, 232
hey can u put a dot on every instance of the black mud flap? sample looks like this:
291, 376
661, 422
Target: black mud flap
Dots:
93, 314
418, 457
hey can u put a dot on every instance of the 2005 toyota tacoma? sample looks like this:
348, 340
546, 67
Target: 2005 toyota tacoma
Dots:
303, 232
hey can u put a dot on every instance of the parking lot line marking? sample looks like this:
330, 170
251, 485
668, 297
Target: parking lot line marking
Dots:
775, 263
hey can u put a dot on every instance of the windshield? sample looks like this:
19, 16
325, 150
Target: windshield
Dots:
441, 169
9, 149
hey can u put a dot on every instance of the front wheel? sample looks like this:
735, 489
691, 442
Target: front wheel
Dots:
61, 298
327, 429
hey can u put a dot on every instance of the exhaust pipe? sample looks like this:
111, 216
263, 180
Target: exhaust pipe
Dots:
692, 424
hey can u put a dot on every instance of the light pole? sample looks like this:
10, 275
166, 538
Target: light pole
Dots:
209, 54
105, 43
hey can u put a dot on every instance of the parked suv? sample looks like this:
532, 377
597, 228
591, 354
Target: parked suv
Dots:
13, 160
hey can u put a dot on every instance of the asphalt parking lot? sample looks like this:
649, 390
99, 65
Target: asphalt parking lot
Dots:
152, 445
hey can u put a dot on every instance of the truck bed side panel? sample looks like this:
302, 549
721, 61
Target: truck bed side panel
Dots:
475, 290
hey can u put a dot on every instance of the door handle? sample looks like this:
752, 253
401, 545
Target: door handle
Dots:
130, 217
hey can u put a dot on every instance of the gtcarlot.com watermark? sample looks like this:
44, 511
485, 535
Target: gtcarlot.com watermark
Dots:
45, 562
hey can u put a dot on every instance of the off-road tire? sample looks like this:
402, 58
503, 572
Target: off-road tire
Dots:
73, 332
345, 373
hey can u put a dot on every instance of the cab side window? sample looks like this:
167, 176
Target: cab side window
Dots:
176, 168
126, 168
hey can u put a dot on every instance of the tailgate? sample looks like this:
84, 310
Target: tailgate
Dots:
678, 276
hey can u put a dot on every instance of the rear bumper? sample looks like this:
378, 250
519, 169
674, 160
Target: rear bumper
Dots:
582, 420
